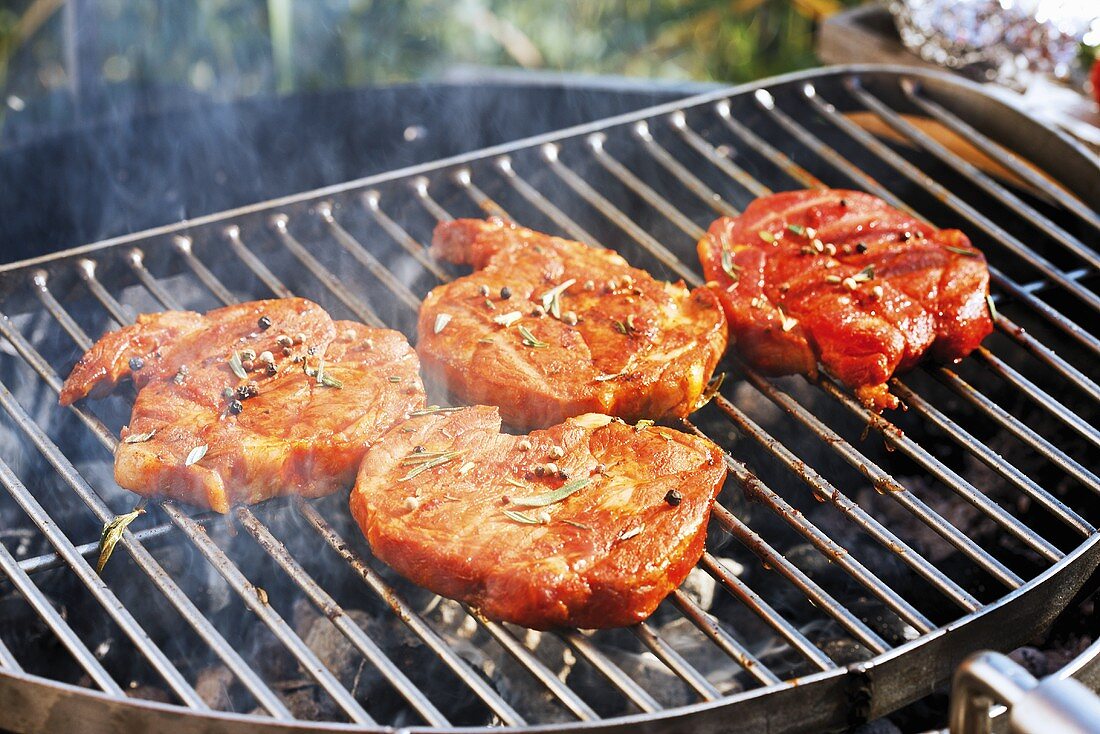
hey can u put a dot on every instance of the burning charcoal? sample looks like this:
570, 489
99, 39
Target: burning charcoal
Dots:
699, 587
644, 668
726, 675
147, 692
522, 691
213, 686
334, 649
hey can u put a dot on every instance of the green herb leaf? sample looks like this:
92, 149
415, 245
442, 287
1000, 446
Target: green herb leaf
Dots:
507, 319
576, 524
992, 307
237, 367
632, 532
766, 236
530, 340
797, 229
549, 498
441, 322
320, 373
643, 424
729, 266
112, 533
196, 455
551, 301
520, 517
430, 464
139, 437
961, 251
432, 409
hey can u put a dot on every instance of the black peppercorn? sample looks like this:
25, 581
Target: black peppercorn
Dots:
264, 323
248, 390
505, 293
861, 248
673, 497
136, 363
235, 407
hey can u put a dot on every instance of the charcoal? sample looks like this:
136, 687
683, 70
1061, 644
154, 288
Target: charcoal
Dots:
213, 684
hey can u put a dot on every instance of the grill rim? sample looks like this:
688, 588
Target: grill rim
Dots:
1083, 559
841, 686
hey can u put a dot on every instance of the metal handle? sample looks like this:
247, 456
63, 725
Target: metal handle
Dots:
988, 683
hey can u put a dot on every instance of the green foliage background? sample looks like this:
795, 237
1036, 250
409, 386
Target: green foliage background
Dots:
235, 48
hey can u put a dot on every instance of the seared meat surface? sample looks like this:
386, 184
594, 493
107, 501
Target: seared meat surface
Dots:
589, 523
313, 396
841, 278
547, 328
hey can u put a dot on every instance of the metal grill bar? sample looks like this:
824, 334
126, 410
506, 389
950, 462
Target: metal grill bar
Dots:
1039, 396
753, 667
102, 593
7, 660
969, 133
422, 630
145, 561
534, 196
740, 590
191, 529
52, 618
996, 233
586, 648
766, 103
972, 174
334, 613
757, 544
261, 271
961, 487
990, 458
1026, 434
506, 713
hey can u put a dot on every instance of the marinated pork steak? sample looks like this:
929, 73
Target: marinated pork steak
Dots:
255, 409
590, 523
547, 328
841, 278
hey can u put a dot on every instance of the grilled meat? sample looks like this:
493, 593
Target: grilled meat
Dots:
841, 278
589, 523
202, 434
548, 328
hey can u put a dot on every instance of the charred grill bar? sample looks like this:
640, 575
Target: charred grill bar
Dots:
635, 182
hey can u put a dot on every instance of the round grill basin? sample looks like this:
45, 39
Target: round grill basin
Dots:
852, 562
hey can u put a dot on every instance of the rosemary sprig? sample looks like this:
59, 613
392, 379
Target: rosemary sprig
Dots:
507, 319
237, 367
576, 524
430, 464
766, 236
551, 299
530, 340
549, 498
520, 517
798, 229
729, 266
433, 409
140, 437
868, 273
441, 322
112, 533
327, 380
196, 454
514, 483
992, 307
961, 251
632, 532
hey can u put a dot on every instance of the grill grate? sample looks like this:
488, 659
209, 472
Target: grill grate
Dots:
856, 561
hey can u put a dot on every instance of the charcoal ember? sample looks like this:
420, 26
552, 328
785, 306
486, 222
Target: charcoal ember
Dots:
703, 655
520, 689
699, 588
334, 649
643, 668
147, 692
213, 685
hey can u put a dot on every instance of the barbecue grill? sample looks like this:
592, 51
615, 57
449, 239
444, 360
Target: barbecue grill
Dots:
976, 507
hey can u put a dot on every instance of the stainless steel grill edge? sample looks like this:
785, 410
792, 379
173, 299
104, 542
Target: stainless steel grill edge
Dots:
621, 201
